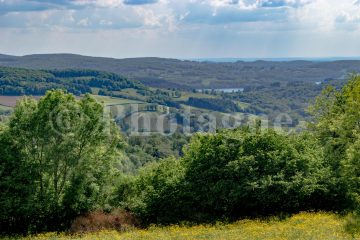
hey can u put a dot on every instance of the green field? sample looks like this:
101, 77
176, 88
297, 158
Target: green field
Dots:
106, 100
4, 108
131, 93
303, 226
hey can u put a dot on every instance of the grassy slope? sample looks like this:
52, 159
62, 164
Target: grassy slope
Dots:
4, 108
303, 226
106, 100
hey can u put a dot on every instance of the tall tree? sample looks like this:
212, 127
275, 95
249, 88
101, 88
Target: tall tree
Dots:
337, 125
72, 152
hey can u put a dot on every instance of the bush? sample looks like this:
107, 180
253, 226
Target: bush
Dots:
118, 220
232, 174
153, 194
237, 173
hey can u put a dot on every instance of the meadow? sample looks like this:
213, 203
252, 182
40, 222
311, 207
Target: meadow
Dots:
9, 101
4, 108
325, 226
110, 101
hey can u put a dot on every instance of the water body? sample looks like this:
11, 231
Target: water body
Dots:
224, 90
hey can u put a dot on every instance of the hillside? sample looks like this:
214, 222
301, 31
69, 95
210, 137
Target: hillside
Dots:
165, 73
269, 88
266, 98
17, 81
119, 94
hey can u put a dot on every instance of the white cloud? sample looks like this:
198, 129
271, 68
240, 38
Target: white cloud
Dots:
328, 15
83, 22
99, 3
182, 27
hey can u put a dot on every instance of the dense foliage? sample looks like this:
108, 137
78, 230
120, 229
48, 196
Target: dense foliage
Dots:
37, 82
235, 173
270, 87
221, 105
292, 98
182, 74
47, 178
18, 82
268, 97
142, 150
336, 122
247, 172
57, 160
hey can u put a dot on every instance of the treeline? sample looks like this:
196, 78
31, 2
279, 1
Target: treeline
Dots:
292, 98
18, 82
15, 81
51, 173
215, 104
165, 98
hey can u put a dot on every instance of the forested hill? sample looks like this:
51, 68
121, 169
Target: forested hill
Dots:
17, 81
170, 73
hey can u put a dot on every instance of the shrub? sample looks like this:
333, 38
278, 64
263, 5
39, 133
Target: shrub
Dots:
232, 174
239, 172
153, 194
118, 220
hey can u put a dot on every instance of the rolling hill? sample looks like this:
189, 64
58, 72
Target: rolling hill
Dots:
268, 88
184, 74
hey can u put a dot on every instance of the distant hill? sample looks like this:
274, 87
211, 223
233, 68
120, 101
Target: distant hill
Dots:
185, 74
19, 81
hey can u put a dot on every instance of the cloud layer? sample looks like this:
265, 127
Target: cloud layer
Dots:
189, 28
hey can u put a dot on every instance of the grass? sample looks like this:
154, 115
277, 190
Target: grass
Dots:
113, 100
10, 101
304, 226
4, 108
130, 92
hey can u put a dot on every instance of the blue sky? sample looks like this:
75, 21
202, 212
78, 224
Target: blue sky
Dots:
182, 28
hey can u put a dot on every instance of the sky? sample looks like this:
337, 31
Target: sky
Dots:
182, 28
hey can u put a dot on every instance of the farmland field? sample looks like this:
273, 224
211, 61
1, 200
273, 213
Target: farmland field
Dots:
10, 101
4, 108
106, 100
302, 226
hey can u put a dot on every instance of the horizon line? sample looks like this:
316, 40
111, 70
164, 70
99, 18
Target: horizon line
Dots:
205, 59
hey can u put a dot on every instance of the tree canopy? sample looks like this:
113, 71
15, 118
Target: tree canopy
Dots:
57, 156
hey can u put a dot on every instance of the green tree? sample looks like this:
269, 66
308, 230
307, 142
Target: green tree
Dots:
66, 151
18, 203
336, 123
240, 172
154, 193
231, 174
